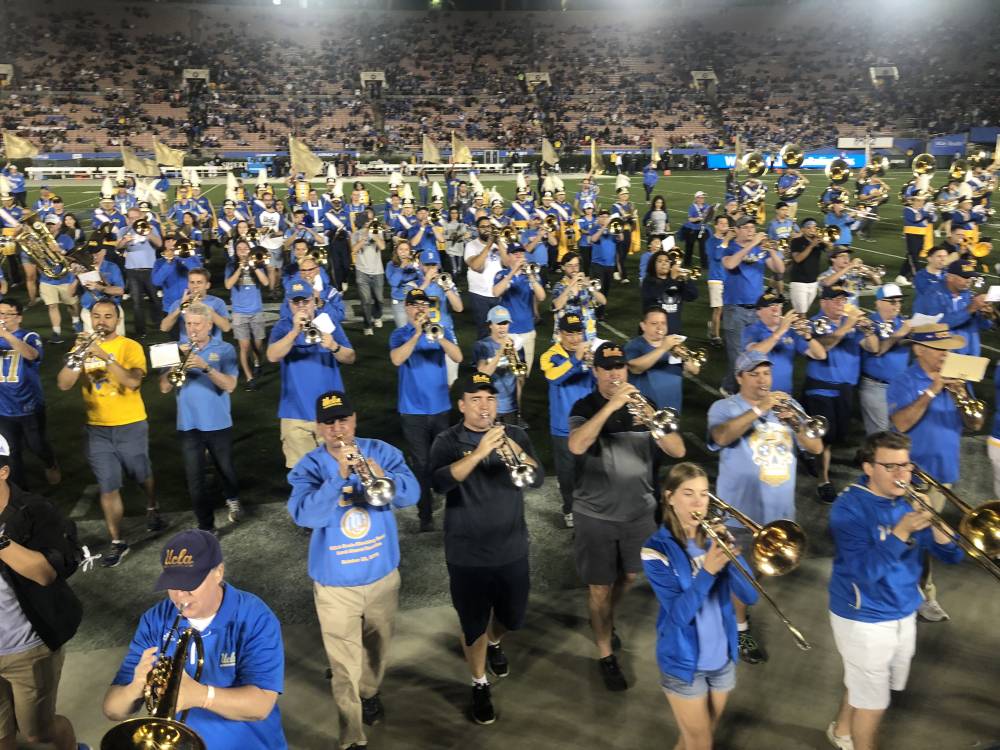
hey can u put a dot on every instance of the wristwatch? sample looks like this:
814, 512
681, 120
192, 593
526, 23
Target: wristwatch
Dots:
4, 540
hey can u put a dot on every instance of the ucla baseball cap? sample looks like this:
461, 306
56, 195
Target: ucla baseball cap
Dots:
187, 558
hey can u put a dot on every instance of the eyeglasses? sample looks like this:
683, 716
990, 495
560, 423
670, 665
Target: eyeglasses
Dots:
893, 468
300, 302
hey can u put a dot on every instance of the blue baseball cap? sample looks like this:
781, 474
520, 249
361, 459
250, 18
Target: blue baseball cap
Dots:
187, 558
751, 360
498, 314
430, 258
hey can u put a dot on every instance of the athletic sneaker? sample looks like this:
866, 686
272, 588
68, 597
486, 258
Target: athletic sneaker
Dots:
368, 332
377, 322
568, 520
482, 704
113, 557
612, 675
496, 660
55, 338
616, 276
902, 281
235, 510
931, 611
826, 493
750, 651
154, 522
844, 743
372, 710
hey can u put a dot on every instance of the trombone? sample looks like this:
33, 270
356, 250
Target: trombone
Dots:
379, 491
978, 532
795, 417
777, 549
522, 474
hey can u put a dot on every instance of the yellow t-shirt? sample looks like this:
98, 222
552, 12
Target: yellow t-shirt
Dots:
110, 404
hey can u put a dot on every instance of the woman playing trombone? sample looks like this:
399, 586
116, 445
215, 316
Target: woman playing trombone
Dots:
696, 637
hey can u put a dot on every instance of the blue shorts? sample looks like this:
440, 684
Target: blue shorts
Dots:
720, 680
112, 450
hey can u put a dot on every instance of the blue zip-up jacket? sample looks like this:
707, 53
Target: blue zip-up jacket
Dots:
954, 311
876, 575
681, 595
353, 543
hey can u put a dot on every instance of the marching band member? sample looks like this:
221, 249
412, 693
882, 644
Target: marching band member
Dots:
40, 615
918, 230
109, 286
498, 356
486, 537
367, 246
22, 400
745, 263
310, 365
424, 234
625, 243
203, 381
442, 301
657, 219
933, 422
782, 226
567, 369
314, 207
586, 225
140, 255
59, 290
836, 217
419, 357
522, 208
959, 308
880, 368
245, 278
234, 706
879, 541
117, 431
540, 245
485, 255
356, 593
573, 294
124, 200
274, 232
757, 461
10, 220
843, 272
667, 287
170, 272
830, 383
938, 260
790, 186
652, 367
693, 230
774, 335
603, 252
198, 284
520, 290
870, 194
338, 222
183, 204
613, 499
18, 188
696, 636
44, 204
106, 213
806, 250
456, 234
588, 193
719, 236
403, 274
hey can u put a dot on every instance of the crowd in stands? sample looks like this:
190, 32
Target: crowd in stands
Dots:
96, 77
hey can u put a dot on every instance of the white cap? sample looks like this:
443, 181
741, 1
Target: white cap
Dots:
888, 291
699, 194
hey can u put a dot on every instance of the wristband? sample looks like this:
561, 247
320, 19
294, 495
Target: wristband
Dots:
757, 411
4, 541
929, 393
209, 697
339, 347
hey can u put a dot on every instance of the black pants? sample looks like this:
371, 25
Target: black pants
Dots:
20, 199
565, 470
649, 190
480, 307
29, 432
419, 431
584, 251
338, 256
690, 238
914, 246
219, 444
621, 252
140, 283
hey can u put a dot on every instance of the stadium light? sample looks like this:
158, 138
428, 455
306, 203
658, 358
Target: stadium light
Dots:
276, 2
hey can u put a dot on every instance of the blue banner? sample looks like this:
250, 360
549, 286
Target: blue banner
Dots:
814, 159
984, 135
947, 145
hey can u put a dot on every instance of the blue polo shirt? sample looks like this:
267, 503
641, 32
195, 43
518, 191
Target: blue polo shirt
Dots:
715, 251
782, 355
20, 385
842, 363
139, 254
937, 437
603, 251
663, 382
202, 405
568, 383
586, 227
307, 372
243, 646
519, 301
112, 276
503, 379
924, 280
844, 223
890, 364
423, 378
744, 284
782, 229
401, 280
216, 304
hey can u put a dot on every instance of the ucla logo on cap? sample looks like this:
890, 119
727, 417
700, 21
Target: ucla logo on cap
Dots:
572, 318
178, 559
330, 401
480, 379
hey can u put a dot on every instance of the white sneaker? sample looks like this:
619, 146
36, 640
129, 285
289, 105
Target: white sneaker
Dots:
931, 611
902, 281
235, 510
369, 332
343, 287
568, 520
844, 743
377, 322
616, 276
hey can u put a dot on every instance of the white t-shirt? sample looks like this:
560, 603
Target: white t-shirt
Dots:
481, 282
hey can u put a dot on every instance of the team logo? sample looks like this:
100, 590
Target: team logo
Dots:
355, 523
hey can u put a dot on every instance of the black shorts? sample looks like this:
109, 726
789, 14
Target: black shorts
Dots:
606, 549
837, 410
478, 592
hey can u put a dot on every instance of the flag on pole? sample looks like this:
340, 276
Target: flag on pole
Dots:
139, 167
654, 152
596, 163
460, 153
17, 147
303, 160
868, 149
549, 155
431, 153
739, 153
168, 157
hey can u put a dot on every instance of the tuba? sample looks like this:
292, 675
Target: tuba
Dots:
839, 171
792, 155
160, 730
37, 241
755, 164
923, 164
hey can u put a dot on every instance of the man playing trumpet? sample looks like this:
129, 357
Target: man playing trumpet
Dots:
781, 336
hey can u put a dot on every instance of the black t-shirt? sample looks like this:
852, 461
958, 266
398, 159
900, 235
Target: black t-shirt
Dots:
484, 515
806, 271
614, 478
668, 294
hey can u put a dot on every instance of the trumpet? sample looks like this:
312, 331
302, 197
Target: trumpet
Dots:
259, 257
688, 274
177, 376
522, 474
795, 417
375, 227
533, 271
822, 326
514, 363
445, 281
777, 548
379, 491
802, 326
660, 422
184, 248
78, 354
434, 215
311, 332
163, 684
874, 273
142, 227
689, 356
432, 331
969, 405
978, 532
616, 226
188, 302
551, 223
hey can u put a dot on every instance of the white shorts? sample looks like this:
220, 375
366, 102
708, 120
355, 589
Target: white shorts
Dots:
876, 658
714, 293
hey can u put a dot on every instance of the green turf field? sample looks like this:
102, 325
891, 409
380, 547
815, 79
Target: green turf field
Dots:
371, 382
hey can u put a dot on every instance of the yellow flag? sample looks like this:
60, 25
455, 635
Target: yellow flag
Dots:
460, 153
596, 163
139, 167
549, 155
654, 152
431, 153
168, 157
17, 147
303, 160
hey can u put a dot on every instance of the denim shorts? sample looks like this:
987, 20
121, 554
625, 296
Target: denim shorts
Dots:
720, 680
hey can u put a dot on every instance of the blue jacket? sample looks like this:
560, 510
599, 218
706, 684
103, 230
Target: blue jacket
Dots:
352, 543
876, 576
954, 311
681, 595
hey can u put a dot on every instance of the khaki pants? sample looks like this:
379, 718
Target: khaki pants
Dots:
298, 437
29, 682
356, 624
937, 502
